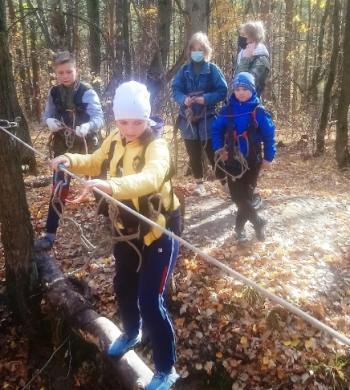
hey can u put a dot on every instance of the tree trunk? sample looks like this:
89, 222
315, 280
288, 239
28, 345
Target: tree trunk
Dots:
312, 91
24, 71
94, 37
155, 72
70, 24
40, 17
9, 107
16, 229
126, 39
84, 321
35, 70
198, 17
58, 27
287, 50
76, 46
330, 81
266, 16
341, 142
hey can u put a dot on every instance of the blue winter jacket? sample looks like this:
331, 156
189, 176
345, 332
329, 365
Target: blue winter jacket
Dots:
243, 112
210, 80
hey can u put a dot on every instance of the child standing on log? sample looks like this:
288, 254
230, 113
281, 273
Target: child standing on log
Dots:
241, 127
72, 111
139, 168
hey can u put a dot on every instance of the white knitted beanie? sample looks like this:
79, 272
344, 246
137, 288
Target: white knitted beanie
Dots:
131, 101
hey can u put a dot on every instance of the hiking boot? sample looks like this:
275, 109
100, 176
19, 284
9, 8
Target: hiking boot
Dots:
199, 190
161, 381
256, 201
241, 235
123, 343
44, 243
260, 229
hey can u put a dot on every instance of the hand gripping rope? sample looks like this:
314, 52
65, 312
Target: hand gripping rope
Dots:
313, 321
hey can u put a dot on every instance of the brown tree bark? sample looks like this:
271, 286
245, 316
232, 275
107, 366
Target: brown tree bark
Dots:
312, 94
9, 107
16, 229
35, 70
266, 17
198, 17
341, 142
76, 46
286, 85
94, 36
155, 79
330, 81
78, 312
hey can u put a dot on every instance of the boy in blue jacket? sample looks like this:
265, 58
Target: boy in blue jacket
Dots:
237, 134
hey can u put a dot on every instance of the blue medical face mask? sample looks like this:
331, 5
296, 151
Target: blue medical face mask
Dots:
197, 56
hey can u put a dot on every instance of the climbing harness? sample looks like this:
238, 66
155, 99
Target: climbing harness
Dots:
305, 316
235, 154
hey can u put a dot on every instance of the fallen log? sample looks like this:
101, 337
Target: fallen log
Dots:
37, 183
130, 371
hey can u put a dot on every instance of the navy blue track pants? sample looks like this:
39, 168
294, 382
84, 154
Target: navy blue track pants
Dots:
141, 296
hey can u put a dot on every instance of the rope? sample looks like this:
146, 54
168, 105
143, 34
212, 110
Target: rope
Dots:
305, 316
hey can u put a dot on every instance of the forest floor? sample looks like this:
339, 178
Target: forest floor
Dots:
228, 335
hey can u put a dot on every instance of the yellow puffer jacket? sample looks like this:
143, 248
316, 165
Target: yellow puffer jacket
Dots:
132, 185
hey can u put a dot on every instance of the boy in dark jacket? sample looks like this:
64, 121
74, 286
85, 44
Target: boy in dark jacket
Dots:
73, 112
238, 132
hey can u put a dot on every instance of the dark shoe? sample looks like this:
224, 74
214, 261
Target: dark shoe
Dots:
256, 201
241, 235
260, 229
123, 343
44, 243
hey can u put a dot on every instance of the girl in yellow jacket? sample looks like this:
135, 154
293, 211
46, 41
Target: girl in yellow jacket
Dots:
139, 167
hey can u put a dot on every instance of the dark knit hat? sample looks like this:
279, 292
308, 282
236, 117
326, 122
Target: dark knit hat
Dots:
244, 80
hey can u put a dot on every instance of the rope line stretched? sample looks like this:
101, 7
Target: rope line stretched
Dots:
305, 316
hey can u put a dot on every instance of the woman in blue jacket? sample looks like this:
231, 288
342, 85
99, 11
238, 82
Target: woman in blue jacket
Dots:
198, 87
241, 127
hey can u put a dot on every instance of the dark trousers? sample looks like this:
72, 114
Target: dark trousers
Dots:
142, 295
241, 191
194, 149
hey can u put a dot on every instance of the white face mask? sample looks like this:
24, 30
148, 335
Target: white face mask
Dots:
197, 56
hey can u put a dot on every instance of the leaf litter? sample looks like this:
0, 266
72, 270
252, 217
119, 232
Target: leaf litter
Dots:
227, 334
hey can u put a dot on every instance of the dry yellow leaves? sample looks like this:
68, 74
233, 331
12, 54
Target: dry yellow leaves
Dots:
266, 360
308, 343
244, 340
179, 322
219, 355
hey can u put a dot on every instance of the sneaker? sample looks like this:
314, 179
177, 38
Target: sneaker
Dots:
44, 243
199, 190
241, 235
123, 343
256, 201
260, 229
161, 381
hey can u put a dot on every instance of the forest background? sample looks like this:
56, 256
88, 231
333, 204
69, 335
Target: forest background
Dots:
307, 92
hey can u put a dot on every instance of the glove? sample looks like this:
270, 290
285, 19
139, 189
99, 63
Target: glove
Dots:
53, 124
82, 130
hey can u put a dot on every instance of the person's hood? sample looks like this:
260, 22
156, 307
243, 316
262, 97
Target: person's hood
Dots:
260, 50
157, 125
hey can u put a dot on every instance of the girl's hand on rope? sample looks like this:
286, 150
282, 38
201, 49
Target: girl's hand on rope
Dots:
223, 155
188, 101
199, 100
265, 165
100, 184
249, 50
60, 160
